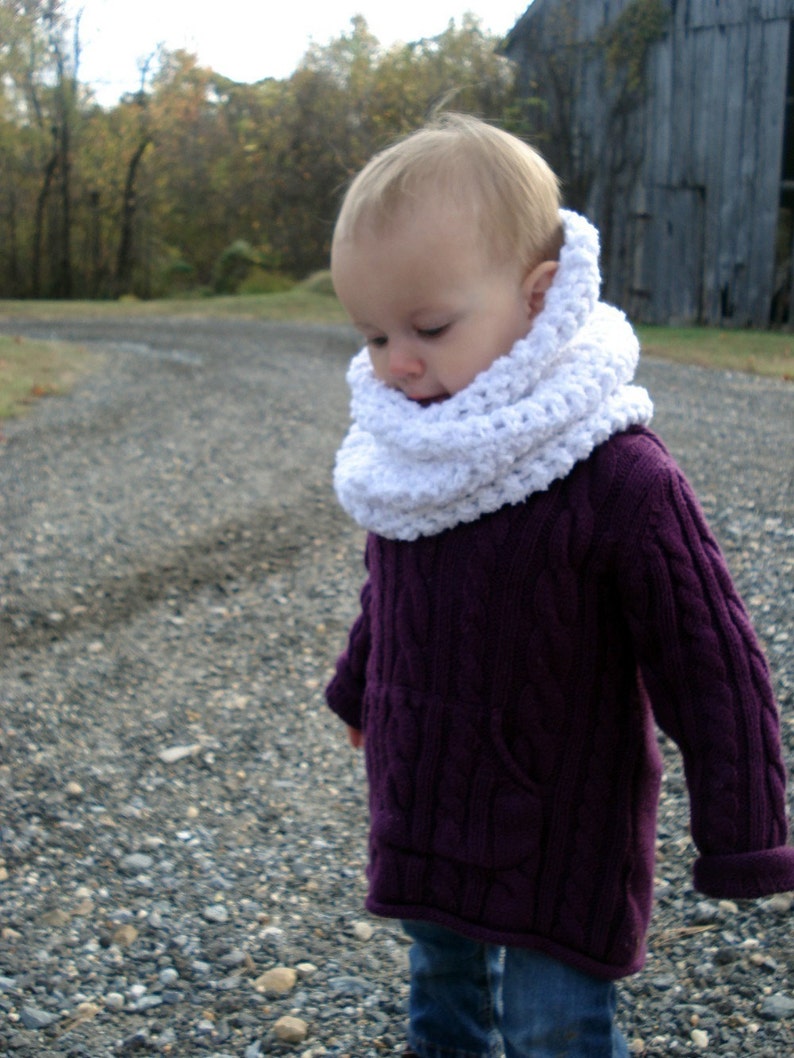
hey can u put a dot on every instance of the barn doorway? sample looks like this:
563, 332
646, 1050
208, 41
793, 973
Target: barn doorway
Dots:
668, 254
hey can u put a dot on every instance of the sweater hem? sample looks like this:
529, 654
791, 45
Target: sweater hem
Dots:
505, 938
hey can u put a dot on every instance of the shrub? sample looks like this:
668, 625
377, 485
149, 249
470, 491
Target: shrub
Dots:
233, 266
258, 281
243, 268
319, 283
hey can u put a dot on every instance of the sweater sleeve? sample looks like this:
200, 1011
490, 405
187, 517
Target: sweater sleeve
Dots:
345, 693
710, 690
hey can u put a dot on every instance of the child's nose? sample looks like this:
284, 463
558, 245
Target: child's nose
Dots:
403, 361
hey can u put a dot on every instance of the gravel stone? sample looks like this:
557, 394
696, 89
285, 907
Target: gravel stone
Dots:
135, 863
34, 1018
277, 982
176, 581
775, 1007
290, 1029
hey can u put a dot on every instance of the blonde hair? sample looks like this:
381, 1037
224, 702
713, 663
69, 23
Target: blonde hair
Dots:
512, 194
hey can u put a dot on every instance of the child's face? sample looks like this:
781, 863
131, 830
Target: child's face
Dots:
432, 308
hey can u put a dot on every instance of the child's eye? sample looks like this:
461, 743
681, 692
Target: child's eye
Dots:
432, 332
377, 343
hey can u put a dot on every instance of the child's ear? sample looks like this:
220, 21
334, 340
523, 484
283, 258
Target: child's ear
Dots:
536, 285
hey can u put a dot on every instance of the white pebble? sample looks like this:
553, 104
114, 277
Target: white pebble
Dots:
362, 931
781, 903
216, 913
172, 754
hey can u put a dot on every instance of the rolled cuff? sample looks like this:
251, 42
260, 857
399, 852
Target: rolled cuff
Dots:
746, 875
343, 696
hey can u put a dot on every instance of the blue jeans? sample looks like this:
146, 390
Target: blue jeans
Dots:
466, 995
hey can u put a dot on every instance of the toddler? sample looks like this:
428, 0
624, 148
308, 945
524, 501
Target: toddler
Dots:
542, 589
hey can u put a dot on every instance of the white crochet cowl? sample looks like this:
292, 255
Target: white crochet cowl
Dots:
405, 471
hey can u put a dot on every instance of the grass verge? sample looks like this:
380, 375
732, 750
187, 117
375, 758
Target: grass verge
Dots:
299, 305
768, 353
32, 369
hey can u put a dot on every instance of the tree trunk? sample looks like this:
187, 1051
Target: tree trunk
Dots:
38, 224
126, 256
64, 280
12, 279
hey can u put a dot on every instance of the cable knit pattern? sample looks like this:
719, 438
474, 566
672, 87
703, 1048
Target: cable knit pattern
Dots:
405, 471
507, 674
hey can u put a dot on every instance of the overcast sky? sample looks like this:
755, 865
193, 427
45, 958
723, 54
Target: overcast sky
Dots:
248, 40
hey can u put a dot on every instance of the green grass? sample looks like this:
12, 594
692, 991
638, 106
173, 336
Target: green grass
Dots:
29, 369
299, 305
765, 353
32, 369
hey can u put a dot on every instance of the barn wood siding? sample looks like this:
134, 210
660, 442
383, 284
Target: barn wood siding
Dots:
702, 156
701, 14
715, 117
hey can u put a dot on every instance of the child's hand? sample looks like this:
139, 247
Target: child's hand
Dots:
355, 737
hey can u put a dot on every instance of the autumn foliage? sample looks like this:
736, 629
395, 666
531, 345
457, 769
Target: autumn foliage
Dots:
193, 182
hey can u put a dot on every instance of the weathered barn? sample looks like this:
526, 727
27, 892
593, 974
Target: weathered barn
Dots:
672, 125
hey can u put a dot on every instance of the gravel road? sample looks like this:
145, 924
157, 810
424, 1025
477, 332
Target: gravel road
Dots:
179, 813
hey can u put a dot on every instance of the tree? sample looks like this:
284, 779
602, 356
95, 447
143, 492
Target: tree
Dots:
350, 99
101, 201
125, 261
39, 61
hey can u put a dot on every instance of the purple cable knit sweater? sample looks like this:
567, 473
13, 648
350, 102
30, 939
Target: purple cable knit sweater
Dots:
507, 674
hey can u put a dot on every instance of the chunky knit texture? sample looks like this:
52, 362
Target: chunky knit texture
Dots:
507, 674
405, 471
